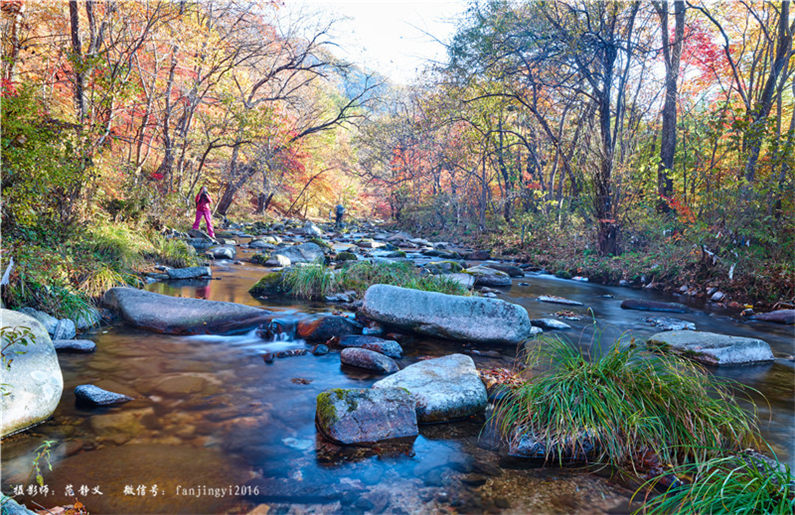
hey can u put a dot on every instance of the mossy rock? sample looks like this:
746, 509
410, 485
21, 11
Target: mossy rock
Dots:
346, 256
396, 254
326, 410
320, 242
260, 259
270, 284
444, 267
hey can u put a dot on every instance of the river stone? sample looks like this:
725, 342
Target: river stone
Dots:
485, 276
781, 316
33, 382
64, 330
326, 327
714, 348
356, 416
200, 235
454, 317
87, 319
445, 388
225, 252
190, 272
389, 348
511, 270
550, 324
74, 345
278, 260
48, 321
465, 280
91, 395
369, 360
528, 445
671, 324
303, 253
552, 299
310, 229
200, 244
176, 315
443, 267
650, 305
260, 244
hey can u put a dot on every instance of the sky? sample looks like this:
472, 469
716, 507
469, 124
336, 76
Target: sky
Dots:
392, 37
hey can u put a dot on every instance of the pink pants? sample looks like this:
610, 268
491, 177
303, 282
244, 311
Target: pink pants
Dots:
204, 213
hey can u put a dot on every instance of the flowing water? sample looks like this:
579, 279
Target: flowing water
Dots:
213, 428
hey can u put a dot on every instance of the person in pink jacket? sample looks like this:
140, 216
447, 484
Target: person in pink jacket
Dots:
203, 202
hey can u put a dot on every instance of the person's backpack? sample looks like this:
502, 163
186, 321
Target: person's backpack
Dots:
340, 209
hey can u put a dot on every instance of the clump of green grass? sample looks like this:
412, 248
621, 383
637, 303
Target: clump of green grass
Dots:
173, 252
103, 278
119, 245
629, 402
730, 484
317, 280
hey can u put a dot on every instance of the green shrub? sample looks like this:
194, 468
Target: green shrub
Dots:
629, 401
731, 484
174, 252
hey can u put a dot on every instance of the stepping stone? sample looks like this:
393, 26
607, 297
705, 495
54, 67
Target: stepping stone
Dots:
713, 348
90, 395
74, 345
552, 299
550, 324
369, 360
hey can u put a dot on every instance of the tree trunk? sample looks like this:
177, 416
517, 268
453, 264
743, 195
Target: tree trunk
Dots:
77, 60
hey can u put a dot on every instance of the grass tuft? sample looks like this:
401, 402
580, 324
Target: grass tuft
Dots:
629, 402
735, 484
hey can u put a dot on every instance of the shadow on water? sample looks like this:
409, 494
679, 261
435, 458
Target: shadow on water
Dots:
214, 428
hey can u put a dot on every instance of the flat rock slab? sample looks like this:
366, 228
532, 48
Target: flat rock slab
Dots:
191, 272
714, 348
358, 416
454, 317
74, 345
176, 315
782, 316
650, 305
446, 388
33, 383
389, 348
91, 395
368, 360
559, 300
671, 324
550, 324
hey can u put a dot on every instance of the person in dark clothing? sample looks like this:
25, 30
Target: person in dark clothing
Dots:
339, 211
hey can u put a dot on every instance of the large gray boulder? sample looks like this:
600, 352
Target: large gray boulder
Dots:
713, 348
445, 388
474, 319
48, 321
304, 253
33, 383
177, 315
357, 416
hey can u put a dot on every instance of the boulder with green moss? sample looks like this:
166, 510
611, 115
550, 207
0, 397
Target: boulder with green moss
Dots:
259, 258
360, 416
485, 276
270, 284
346, 256
444, 267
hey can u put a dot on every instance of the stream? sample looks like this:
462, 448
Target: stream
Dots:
213, 428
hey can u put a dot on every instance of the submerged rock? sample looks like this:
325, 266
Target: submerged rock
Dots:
91, 395
326, 327
389, 348
713, 348
176, 315
445, 388
671, 324
782, 316
357, 416
650, 305
190, 272
528, 445
32, 381
550, 324
485, 276
74, 345
552, 299
368, 359
453, 317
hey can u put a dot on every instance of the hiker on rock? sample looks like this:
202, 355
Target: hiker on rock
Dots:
203, 202
339, 211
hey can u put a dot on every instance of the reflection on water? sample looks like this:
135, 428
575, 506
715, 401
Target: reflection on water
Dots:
208, 411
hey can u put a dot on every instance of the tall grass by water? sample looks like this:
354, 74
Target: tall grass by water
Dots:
317, 280
628, 402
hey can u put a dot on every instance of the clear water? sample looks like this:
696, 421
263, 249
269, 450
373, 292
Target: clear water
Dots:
211, 421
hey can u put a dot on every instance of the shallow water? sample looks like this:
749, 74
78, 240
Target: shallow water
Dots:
214, 428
